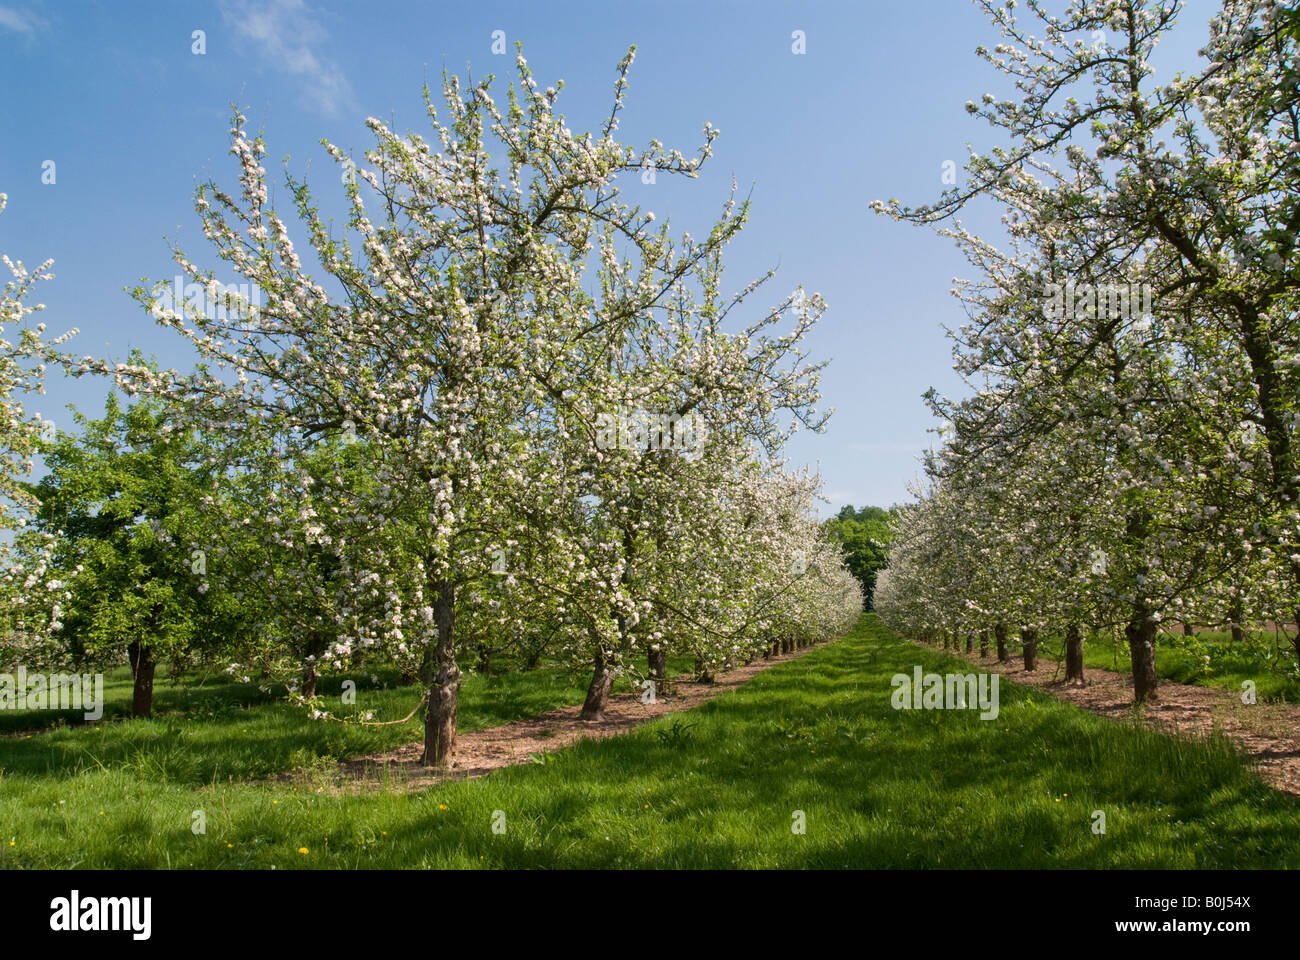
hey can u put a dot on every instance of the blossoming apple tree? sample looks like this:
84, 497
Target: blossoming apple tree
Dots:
458, 341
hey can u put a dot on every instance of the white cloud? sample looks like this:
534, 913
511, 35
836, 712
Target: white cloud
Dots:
285, 33
19, 20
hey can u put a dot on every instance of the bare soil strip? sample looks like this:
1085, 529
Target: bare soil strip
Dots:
1267, 733
482, 751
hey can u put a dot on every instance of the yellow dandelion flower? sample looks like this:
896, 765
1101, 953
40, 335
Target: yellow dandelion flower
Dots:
303, 850
442, 806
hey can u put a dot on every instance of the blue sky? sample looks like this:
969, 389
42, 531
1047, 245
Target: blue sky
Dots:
133, 119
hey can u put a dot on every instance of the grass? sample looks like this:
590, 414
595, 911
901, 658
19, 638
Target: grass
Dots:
718, 786
204, 730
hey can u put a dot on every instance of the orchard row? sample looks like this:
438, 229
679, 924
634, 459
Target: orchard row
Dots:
1110, 469
426, 452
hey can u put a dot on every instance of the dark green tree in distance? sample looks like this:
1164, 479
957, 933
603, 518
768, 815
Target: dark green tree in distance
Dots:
121, 500
865, 534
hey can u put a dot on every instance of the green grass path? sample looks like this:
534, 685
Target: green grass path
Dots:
876, 788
